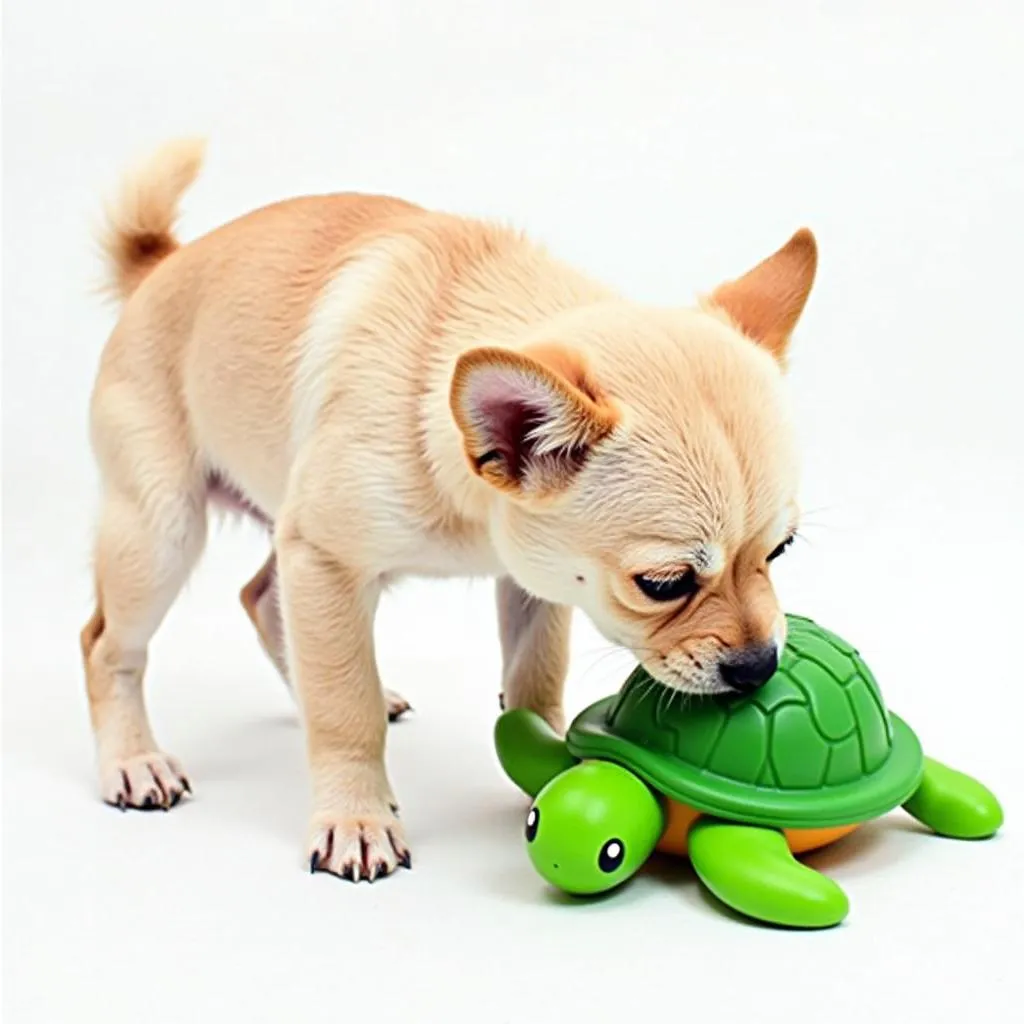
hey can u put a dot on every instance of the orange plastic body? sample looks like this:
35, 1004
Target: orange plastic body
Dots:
680, 818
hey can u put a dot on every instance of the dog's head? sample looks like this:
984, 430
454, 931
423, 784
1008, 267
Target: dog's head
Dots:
647, 471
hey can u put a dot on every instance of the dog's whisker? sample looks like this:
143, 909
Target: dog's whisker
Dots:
602, 657
814, 527
816, 509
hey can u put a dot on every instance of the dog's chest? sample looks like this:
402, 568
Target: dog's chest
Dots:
442, 553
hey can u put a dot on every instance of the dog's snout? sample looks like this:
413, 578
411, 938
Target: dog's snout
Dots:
750, 667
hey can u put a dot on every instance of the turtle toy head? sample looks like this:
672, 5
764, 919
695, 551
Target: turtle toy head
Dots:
592, 827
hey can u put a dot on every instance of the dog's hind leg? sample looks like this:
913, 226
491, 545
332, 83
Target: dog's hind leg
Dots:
151, 532
260, 598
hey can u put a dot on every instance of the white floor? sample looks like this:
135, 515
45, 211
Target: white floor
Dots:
896, 135
206, 913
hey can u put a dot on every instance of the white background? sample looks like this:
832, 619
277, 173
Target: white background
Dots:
663, 147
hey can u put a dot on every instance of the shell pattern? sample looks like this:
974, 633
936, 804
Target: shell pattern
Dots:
819, 722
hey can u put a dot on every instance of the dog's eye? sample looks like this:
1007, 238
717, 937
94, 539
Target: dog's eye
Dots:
781, 548
668, 588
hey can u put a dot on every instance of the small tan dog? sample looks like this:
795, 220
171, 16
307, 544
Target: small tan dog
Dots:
394, 391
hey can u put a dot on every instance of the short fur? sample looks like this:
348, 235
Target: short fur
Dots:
396, 391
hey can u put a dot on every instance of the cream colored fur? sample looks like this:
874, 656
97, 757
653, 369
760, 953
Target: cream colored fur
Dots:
396, 391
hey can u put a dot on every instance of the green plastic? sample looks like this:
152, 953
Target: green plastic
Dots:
592, 828
954, 805
813, 748
530, 751
752, 870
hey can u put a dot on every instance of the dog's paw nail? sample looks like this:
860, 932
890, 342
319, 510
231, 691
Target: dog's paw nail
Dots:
359, 849
159, 795
186, 785
379, 869
314, 862
401, 852
148, 781
396, 704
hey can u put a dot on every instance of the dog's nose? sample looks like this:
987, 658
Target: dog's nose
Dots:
747, 669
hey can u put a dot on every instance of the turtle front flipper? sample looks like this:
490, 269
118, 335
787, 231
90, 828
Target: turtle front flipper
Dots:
752, 870
953, 804
530, 751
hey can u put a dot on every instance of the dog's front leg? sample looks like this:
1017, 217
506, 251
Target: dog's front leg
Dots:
328, 617
535, 651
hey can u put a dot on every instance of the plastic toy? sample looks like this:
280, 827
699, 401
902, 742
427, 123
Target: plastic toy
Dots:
739, 784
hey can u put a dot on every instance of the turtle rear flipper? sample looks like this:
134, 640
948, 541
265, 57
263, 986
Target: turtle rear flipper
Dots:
953, 804
752, 870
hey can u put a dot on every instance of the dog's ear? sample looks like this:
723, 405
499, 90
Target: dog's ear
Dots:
528, 418
766, 302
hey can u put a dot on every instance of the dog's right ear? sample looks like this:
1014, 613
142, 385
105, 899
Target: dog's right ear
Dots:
530, 418
766, 302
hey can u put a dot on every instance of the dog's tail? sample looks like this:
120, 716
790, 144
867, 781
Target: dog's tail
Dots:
139, 228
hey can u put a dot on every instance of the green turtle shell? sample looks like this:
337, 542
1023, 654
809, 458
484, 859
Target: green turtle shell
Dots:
812, 748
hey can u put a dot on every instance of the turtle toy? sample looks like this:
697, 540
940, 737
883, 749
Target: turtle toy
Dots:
737, 783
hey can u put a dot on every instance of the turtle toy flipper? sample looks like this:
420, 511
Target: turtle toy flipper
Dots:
753, 870
530, 751
953, 804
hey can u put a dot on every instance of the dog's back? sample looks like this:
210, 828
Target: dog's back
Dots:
215, 324
228, 336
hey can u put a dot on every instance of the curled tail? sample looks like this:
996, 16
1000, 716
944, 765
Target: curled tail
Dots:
139, 229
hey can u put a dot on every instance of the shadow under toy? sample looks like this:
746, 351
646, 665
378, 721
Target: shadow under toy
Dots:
738, 784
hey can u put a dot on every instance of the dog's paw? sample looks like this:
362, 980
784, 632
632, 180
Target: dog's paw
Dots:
146, 782
363, 847
397, 705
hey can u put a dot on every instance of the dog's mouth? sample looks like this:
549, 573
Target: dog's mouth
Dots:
695, 678
692, 686
680, 671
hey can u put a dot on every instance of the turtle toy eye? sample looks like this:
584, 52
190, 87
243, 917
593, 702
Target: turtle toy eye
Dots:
532, 824
611, 856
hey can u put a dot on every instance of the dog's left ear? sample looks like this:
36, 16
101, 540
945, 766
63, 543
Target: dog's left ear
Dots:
529, 418
766, 302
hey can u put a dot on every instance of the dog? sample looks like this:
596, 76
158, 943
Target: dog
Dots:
393, 391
